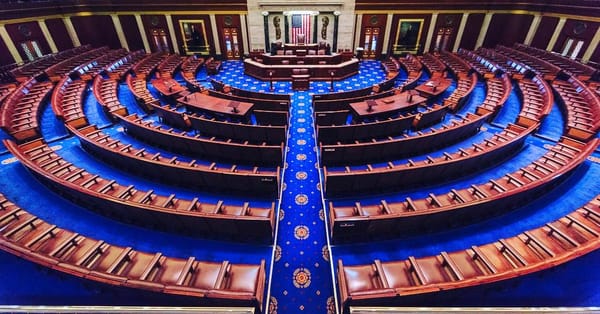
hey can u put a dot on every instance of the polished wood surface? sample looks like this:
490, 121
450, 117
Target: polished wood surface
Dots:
168, 87
299, 58
433, 87
218, 106
283, 72
387, 106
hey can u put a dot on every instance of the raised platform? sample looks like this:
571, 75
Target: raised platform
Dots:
317, 72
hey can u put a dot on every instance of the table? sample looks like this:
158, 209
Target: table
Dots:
169, 88
433, 87
222, 107
387, 106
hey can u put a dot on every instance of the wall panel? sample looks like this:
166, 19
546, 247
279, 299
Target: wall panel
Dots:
469, 38
132, 32
21, 32
5, 56
596, 56
506, 29
96, 30
152, 22
579, 30
446, 20
544, 32
395, 28
370, 21
209, 34
230, 20
59, 34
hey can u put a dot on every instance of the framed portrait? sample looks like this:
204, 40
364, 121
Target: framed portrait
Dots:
194, 37
408, 36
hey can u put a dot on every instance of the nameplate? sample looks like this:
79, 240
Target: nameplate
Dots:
329, 149
347, 225
266, 179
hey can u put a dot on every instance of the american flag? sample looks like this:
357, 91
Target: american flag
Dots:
301, 25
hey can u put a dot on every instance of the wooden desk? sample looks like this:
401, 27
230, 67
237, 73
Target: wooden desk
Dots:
300, 58
318, 72
388, 106
218, 106
433, 87
301, 46
169, 88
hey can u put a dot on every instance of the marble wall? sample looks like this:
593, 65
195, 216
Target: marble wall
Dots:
277, 7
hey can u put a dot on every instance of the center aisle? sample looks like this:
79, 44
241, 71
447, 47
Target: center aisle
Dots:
301, 280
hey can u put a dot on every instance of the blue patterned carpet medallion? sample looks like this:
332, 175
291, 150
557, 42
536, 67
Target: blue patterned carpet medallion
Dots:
302, 280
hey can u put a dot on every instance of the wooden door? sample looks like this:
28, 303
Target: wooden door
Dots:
232, 42
160, 43
371, 42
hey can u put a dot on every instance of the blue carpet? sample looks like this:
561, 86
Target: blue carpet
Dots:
576, 191
37, 285
401, 78
72, 151
93, 111
477, 97
116, 132
549, 208
3, 136
68, 215
509, 112
301, 274
126, 98
49, 124
552, 127
302, 280
55, 288
530, 152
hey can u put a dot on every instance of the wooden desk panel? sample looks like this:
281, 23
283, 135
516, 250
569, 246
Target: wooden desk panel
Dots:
433, 87
223, 107
386, 106
269, 59
168, 87
318, 72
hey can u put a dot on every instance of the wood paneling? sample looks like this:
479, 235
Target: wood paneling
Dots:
96, 30
209, 34
156, 22
5, 56
577, 29
446, 21
22, 9
544, 32
596, 56
374, 20
59, 34
506, 29
469, 38
22, 32
132, 32
425, 27
575, 7
234, 21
